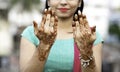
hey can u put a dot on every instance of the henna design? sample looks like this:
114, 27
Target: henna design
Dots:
84, 36
46, 32
42, 54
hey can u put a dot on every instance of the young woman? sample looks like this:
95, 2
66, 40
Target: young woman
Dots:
63, 42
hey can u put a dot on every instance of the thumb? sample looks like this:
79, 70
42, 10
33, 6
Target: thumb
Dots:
35, 27
93, 29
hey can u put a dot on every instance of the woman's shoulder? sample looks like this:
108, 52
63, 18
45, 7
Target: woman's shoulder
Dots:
28, 33
99, 38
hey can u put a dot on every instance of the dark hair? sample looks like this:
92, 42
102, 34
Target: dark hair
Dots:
79, 8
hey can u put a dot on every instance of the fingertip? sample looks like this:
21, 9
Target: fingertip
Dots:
73, 24
94, 26
84, 16
79, 13
49, 10
56, 19
45, 11
76, 17
93, 29
34, 23
53, 13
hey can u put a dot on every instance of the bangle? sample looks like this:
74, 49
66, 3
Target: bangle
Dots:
85, 63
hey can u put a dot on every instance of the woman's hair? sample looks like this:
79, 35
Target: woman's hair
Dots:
79, 8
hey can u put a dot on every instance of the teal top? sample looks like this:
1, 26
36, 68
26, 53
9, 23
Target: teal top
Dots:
61, 57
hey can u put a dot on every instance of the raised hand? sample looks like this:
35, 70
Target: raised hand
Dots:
84, 36
47, 30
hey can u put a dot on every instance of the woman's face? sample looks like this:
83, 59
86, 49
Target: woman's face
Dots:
64, 8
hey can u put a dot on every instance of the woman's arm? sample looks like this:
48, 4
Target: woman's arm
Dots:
85, 36
97, 53
32, 59
95, 63
29, 57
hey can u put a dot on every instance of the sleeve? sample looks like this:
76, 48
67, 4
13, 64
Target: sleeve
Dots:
28, 33
99, 39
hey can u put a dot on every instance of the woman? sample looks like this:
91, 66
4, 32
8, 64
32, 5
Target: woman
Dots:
63, 42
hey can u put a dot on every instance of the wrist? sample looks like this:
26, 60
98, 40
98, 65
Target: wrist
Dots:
87, 61
43, 51
44, 46
86, 51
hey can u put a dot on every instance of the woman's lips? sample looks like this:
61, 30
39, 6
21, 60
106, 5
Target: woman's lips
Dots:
63, 9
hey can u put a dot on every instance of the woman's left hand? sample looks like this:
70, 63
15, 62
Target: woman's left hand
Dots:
84, 36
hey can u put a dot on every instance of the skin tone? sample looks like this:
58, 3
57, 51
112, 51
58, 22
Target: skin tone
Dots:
56, 23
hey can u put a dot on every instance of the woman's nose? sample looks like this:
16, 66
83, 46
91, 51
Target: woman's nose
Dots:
63, 2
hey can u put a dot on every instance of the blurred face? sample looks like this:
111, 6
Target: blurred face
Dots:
64, 8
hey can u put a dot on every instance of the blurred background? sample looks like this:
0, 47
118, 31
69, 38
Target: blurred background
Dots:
16, 15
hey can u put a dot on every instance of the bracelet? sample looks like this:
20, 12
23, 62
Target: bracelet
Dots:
85, 63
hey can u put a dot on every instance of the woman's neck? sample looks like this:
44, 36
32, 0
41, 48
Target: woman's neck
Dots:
64, 30
65, 24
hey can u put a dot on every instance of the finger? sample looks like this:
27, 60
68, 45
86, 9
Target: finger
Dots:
93, 29
51, 24
46, 26
52, 21
81, 23
55, 25
35, 27
48, 16
76, 17
41, 27
93, 35
83, 16
79, 14
56, 22
77, 27
85, 22
73, 26
80, 19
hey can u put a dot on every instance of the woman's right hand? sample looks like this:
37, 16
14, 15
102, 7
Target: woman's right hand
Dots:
47, 30
46, 33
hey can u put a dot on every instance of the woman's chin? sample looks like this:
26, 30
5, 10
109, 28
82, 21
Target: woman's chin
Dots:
64, 15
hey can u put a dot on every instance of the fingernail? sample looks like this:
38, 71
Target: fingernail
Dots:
76, 17
45, 11
49, 8
79, 12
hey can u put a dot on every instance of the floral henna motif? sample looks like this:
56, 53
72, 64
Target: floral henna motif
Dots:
46, 32
42, 54
84, 35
